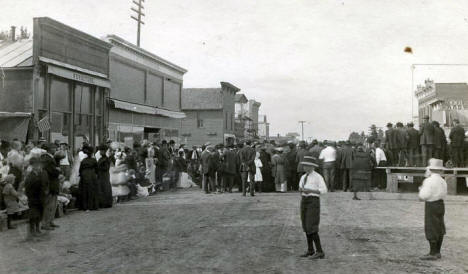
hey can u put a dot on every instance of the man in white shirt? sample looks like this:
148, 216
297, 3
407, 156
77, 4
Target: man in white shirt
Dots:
311, 186
433, 191
328, 158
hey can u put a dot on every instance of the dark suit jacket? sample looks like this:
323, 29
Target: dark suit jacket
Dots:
247, 158
413, 138
401, 138
346, 157
439, 138
390, 138
457, 136
427, 134
205, 161
50, 166
291, 158
230, 162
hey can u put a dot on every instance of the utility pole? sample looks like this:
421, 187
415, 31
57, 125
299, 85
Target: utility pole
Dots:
302, 125
139, 13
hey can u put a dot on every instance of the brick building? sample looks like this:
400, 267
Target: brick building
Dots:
209, 115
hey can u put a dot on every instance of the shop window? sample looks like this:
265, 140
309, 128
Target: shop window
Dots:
60, 127
83, 99
82, 128
98, 101
59, 95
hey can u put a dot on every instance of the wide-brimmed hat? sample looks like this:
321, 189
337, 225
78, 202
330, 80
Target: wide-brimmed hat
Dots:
435, 164
309, 161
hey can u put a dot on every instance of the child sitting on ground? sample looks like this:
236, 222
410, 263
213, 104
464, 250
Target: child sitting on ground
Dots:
10, 197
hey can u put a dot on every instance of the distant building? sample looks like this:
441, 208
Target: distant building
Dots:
443, 102
263, 128
252, 130
145, 99
242, 121
209, 115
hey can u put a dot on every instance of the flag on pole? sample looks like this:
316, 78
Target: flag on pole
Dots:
44, 124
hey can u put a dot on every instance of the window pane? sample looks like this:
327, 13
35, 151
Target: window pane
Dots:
82, 132
98, 131
59, 95
83, 99
98, 100
60, 127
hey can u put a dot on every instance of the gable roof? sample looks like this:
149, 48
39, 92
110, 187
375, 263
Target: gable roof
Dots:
202, 98
241, 98
17, 53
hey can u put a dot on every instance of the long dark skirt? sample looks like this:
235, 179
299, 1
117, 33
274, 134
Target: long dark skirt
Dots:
35, 213
360, 180
89, 195
310, 214
105, 190
434, 225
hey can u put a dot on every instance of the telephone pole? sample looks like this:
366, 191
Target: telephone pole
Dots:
302, 125
139, 13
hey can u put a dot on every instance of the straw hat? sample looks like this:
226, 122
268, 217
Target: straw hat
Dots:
435, 164
309, 161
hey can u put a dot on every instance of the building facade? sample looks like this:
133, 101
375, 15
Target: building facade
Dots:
252, 130
263, 128
209, 115
443, 102
57, 84
146, 95
241, 121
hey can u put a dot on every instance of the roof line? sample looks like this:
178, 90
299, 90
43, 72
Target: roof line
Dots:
121, 41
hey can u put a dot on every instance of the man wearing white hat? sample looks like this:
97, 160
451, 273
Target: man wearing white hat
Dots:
311, 186
433, 191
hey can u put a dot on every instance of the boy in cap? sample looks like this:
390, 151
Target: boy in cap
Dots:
433, 191
311, 186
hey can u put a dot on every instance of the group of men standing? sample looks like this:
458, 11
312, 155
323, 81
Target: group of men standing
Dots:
406, 146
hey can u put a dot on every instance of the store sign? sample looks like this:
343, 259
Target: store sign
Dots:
76, 76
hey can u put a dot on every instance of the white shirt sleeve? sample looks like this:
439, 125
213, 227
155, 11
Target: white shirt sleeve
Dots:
322, 186
322, 155
426, 191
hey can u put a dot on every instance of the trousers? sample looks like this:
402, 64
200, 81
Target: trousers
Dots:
329, 175
245, 176
50, 207
427, 153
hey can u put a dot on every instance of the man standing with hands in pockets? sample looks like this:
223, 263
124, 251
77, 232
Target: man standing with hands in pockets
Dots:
311, 186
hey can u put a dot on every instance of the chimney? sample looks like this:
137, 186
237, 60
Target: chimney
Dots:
13, 33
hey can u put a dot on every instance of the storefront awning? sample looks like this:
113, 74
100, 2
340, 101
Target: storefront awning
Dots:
14, 125
146, 109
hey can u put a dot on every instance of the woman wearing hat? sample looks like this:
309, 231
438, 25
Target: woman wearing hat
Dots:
311, 186
433, 192
103, 176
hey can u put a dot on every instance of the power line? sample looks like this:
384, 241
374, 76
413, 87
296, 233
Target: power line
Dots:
139, 13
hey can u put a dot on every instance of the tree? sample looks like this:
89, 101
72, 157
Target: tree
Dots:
356, 138
373, 135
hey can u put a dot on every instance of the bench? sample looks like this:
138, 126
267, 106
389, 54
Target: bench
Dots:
450, 175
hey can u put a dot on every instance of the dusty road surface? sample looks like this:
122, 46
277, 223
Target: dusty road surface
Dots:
190, 232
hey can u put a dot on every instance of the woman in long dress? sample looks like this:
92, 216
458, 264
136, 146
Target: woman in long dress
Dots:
105, 188
88, 186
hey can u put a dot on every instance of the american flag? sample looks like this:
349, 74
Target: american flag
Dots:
44, 124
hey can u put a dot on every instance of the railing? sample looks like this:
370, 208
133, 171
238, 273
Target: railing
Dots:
450, 175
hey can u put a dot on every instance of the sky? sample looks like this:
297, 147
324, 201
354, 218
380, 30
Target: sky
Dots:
339, 65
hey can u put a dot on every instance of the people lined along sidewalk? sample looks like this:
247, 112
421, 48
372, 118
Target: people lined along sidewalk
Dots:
39, 180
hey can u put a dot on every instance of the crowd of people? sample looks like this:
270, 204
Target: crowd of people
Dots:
39, 178
407, 146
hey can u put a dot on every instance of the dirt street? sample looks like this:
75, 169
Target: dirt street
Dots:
190, 232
